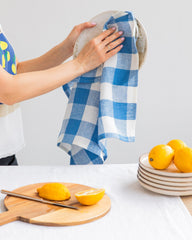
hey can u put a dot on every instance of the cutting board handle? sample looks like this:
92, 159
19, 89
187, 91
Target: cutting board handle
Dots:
8, 216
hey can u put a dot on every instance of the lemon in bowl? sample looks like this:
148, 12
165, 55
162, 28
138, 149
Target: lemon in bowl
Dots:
183, 159
161, 156
176, 144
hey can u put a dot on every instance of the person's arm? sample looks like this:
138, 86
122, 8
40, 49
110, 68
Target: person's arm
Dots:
23, 86
56, 55
52, 58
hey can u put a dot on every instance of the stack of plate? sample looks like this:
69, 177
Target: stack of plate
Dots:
168, 182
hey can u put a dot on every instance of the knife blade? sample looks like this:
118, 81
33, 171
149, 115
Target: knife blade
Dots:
36, 199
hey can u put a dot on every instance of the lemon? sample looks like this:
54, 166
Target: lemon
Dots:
90, 197
176, 144
161, 156
183, 159
54, 191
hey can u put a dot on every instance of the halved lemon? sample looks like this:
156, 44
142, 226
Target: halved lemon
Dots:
54, 191
90, 196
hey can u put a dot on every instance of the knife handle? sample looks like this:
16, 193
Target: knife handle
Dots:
36, 199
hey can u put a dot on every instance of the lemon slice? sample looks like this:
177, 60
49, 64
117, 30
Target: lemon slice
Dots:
90, 196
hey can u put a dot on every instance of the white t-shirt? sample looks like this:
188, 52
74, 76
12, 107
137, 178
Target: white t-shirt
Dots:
11, 128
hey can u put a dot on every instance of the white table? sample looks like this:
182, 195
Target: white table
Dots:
135, 213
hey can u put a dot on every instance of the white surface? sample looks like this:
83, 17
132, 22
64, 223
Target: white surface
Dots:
100, 19
164, 96
135, 213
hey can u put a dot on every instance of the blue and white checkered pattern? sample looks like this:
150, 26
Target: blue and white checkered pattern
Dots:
102, 102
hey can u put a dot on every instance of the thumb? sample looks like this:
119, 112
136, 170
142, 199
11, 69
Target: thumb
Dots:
87, 25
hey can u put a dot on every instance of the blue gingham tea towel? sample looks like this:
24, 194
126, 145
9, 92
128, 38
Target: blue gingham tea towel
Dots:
102, 102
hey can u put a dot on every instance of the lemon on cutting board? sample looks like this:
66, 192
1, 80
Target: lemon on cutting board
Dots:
183, 159
90, 196
54, 191
176, 144
161, 156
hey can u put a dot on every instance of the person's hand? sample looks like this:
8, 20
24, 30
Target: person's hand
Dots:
74, 34
99, 49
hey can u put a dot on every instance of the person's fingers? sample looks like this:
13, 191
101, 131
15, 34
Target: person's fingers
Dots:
113, 44
113, 52
112, 37
104, 34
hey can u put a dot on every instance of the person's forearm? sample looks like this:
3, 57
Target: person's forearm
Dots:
24, 86
52, 58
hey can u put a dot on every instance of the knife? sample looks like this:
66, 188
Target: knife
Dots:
36, 199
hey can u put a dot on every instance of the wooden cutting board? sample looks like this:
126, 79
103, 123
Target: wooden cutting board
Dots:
50, 215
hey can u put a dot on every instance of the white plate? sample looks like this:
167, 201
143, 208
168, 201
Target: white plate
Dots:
165, 192
164, 182
164, 186
163, 178
171, 171
90, 33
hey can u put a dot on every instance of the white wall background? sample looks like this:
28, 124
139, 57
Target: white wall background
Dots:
165, 81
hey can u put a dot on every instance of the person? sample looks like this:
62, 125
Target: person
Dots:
24, 80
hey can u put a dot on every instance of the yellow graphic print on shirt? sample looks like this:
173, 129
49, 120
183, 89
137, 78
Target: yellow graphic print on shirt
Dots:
7, 55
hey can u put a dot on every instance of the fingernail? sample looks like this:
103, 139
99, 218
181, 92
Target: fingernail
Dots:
113, 28
93, 23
